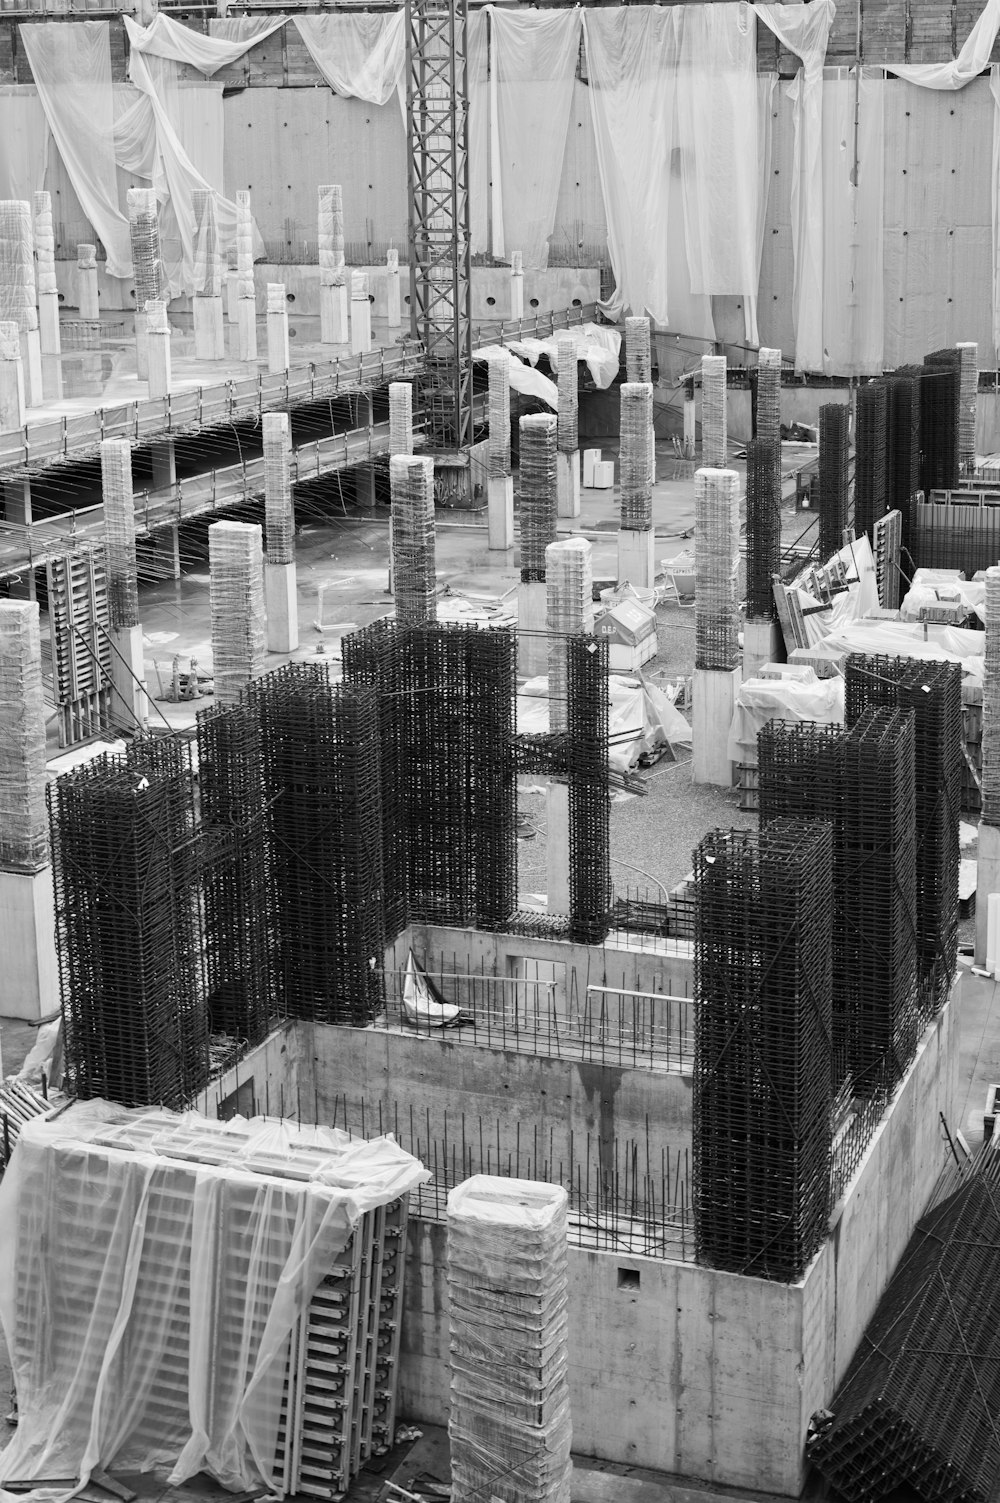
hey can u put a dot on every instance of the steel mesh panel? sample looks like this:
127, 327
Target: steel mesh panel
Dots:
871, 455
940, 397
834, 475
537, 469
716, 502
586, 770
763, 527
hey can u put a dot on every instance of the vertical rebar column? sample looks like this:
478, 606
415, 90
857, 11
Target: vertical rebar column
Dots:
246, 296
638, 357
332, 272
411, 481
209, 332
988, 862
714, 446
539, 499
834, 424
361, 314
144, 233
401, 417
23, 820
500, 484
87, 295
716, 499
763, 528
870, 456
569, 580
278, 516
968, 396
636, 563
129, 703
236, 566
48, 292
568, 439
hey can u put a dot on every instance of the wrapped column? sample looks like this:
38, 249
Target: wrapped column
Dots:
144, 233
129, 703
158, 349
411, 481
17, 290
231, 286
31, 985
246, 297
716, 675
714, 446
11, 378
236, 565
393, 309
332, 272
516, 284
401, 417
768, 423
280, 583
538, 530
635, 537
834, 449
209, 333
45, 260
569, 585
639, 367
568, 435
361, 314
509, 1427
762, 640
988, 867
87, 295
277, 329
968, 396
500, 483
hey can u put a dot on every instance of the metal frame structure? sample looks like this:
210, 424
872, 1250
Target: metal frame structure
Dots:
437, 117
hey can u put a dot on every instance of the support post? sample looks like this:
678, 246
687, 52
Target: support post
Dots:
129, 703
393, 311
361, 314
87, 297
11, 379
333, 321
209, 335
500, 483
209, 330
516, 284
158, 349
277, 329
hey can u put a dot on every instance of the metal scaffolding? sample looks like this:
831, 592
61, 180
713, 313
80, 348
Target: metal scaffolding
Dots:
437, 105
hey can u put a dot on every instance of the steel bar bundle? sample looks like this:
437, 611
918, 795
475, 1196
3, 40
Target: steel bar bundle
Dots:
968, 396
236, 896
125, 862
538, 492
144, 233
244, 247
322, 782
834, 476
638, 358
940, 398
763, 527
279, 517
569, 583
635, 454
45, 244
933, 691
401, 417
491, 775
236, 592
509, 1427
17, 265
717, 549
916, 1409
767, 409
499, 415
586, 771
904, 443
23, 826
714, 443
331, 236
568, 437
991, 703
119, 533
762, 1070
411, 481
871, 456
207, 259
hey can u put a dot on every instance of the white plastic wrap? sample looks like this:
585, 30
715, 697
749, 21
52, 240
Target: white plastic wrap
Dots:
150, 1284
244, 246
236, 567
400, 417
207, 272
23, 820
10, 343
45, 244
275, 293
761, 700
86, 257
569, 612
331, 236
359, 287
937, 586
17, 265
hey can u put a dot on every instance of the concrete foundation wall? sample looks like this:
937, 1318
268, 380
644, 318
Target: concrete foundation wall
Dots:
280, 1075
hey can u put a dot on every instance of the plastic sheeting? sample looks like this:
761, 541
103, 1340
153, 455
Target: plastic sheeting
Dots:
597, 345
641, 718
761, 700
853, 289
973, 58
149, 1302
930, 587
906, 639
361, 56
24, 144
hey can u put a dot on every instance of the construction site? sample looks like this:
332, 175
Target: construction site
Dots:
499, 751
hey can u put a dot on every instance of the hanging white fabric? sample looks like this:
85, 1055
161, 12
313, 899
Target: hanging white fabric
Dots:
479, 131
71, 66
804, 30
995, 194
973, 58
165, 37
361, 56
853, 289
24, 143
533, 59
765, 129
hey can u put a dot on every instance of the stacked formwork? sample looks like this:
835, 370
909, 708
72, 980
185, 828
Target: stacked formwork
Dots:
870, 464
834, 476
940, 403
763, 527
762, 1076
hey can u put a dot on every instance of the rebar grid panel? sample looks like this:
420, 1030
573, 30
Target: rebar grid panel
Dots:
763, 527
933, 691
917, 1406
86, 257
498, 398
569, 588
207, 259
322, 784
538, 491
940, 397
991, 703
144, 234
714, 441
834, 476
332, 271
279, 516
509, 1426
567, 374
762, 1072
638, 357
400, 417
236, 593
635, 457
119, 534
45, 241
23, 823
411, 482
871, 456
491, 775
125, 864
717, 554
968, 396
244, 247
904, 387
236, 891
17, 265
586, 772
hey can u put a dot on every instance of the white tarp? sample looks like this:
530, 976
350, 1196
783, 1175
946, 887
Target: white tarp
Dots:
761, 700
907, 639
930, 587
641, 718
598, 346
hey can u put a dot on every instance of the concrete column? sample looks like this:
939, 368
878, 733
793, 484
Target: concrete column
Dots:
209, 330
281, 606
365, 490
246, 300
714, 700
142, 345
334, 323
144, 233
236, 566
45, 265
129, 704
762, 643
393, 311
11, 379
361, 314
988, 864
568, 482
158, 349
532, 637
164, 462
232, 285
87, 297
277, 329
516, 285
637, 558
500, 484
334, 328
500, 513
31, 360
557, 847
246, 330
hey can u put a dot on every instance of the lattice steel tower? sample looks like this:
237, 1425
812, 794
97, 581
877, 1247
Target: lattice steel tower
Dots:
437, 113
